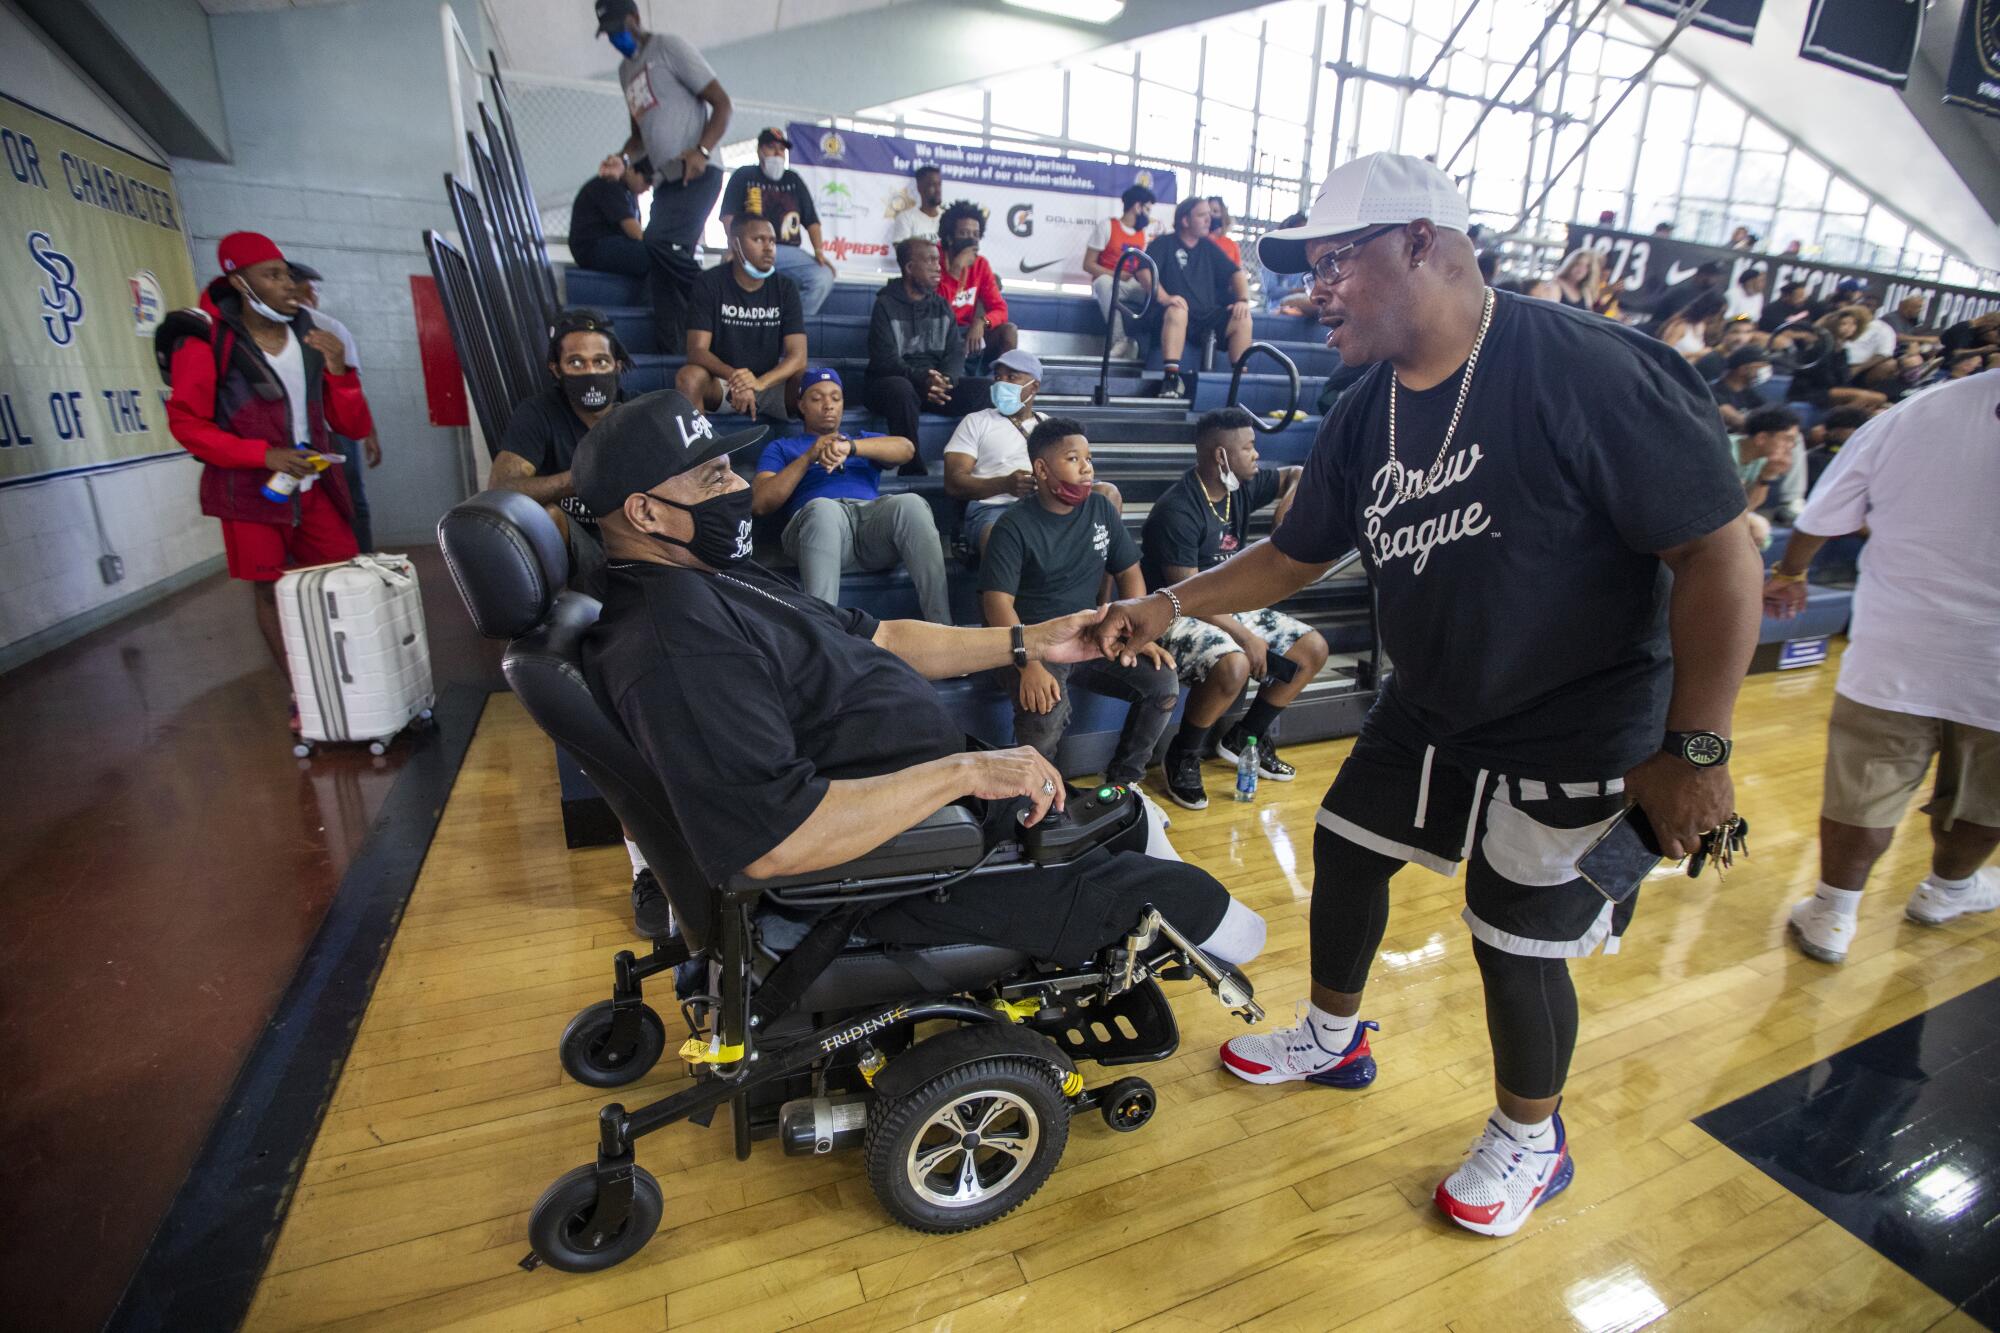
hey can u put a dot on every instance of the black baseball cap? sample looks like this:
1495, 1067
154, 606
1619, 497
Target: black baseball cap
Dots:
773, 134
641, 443
303, 272
612, 13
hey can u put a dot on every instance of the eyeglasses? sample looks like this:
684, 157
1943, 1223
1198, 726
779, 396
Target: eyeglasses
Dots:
1329, 271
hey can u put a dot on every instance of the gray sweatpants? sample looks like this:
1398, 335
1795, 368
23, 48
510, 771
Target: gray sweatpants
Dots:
828, 537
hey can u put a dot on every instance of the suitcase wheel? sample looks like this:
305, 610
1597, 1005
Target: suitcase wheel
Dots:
378, 747
302, 750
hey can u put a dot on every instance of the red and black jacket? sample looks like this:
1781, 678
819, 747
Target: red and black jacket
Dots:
228, 406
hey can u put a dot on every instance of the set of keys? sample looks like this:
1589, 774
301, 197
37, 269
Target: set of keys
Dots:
1722, 845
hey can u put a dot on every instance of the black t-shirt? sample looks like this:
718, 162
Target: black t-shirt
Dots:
747, 329
600, 206
1199, 274
747, 696
1779, 313
1962, 336
1521, 601
1186, 529
1746, 399
545, 431
787, 201
1055, 563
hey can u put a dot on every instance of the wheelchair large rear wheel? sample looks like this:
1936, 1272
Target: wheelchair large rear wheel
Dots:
560, 1228
970, 1146
590, 1057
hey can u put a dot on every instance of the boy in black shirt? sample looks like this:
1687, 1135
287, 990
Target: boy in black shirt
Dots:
1201, 521
1197, 277
1047, 557
746, 335
604, 221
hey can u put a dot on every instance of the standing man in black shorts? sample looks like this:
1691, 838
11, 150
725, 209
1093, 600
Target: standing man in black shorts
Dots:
1523, 478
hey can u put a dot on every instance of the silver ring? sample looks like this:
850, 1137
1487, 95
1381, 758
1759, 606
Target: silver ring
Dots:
1048, 788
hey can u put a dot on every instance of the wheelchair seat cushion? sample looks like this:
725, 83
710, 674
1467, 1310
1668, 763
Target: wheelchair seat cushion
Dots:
880, 975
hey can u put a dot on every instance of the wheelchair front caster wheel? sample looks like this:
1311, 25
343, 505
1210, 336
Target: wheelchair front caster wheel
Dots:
1128, 1104
560, 1227
591, 1057
970, 1146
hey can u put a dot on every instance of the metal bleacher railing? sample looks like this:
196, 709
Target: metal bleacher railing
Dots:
1135, 259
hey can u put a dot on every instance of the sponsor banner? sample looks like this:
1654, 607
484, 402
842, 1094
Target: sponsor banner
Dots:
1650, 263
1974, 79
92, 257
1728, 18
1873, 38
1039, 210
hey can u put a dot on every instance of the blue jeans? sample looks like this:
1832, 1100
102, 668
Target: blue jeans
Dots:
815, 280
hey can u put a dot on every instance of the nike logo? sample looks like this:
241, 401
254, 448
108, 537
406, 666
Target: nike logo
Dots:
1026, 267
1677, 273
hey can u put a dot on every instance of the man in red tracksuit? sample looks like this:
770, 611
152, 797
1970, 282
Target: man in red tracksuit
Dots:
969, 286
256, 388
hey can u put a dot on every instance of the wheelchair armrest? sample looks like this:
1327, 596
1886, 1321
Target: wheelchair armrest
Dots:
950, 839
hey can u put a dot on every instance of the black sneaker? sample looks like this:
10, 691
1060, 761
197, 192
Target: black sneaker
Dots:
1230, 748
1171, 386
652, 917
1184, 780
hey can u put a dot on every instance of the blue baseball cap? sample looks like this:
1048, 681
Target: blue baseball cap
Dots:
820, 375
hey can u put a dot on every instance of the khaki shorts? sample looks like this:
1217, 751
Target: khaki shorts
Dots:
1876, 760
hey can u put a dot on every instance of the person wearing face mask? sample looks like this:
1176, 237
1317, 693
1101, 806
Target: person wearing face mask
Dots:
257, 389
541, 438
679, 113
1111, 238
790, 735
968, 284
916, 355
772, 190
1739, 392
1048, 557
986, 463
1202, 520
825, 482
746, 342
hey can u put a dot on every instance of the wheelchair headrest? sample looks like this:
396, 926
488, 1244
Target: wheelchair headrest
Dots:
507, 558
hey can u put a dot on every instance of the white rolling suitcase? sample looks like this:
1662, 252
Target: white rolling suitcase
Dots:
354, 638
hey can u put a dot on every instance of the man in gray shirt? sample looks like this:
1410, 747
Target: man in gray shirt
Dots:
679, 114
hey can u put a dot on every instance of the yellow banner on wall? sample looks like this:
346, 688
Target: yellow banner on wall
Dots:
92, 257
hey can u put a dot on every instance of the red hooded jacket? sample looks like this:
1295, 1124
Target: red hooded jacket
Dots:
979, 287
228, 407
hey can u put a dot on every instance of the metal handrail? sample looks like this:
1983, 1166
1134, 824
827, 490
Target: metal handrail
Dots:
1135, 257
1292, 412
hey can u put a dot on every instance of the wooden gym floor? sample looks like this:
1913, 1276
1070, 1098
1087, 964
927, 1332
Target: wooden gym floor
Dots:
1238, 1206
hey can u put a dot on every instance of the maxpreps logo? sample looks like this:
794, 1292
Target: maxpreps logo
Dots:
149, 303
62, 303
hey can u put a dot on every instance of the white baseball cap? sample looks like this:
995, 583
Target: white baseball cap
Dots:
1377, 190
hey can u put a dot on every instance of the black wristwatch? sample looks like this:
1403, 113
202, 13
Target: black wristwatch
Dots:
1020, 637
1703, 749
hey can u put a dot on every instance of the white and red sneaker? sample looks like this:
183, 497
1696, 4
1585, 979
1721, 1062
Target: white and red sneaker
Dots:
1296, 1053
1503, 1180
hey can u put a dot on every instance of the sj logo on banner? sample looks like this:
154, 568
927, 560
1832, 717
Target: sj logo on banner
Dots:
62, 303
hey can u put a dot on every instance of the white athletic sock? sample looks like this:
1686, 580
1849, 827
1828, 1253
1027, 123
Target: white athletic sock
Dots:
1843, 902
1540, 1134
638, 857
1938, 881
1333, 1031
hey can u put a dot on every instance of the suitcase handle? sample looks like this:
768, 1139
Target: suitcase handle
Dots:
340, 656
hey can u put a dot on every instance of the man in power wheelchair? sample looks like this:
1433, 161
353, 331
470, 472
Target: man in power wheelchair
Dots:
907, 941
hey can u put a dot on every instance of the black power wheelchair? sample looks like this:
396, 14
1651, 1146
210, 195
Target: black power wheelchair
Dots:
954, 1067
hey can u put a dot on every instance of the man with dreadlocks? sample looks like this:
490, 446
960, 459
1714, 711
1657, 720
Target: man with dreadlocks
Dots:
970, 286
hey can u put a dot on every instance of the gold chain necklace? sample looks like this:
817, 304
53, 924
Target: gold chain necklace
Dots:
1406, 481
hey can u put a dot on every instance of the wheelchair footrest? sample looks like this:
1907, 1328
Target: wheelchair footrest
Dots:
1131, 1028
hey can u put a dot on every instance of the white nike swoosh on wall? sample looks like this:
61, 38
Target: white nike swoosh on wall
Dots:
1676, 273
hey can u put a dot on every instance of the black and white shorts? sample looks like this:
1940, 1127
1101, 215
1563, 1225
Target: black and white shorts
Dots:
1520, 837
1197, 645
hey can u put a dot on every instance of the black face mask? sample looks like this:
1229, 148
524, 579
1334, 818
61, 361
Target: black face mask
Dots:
590, 393
960, 244
1142, 219
721, 528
